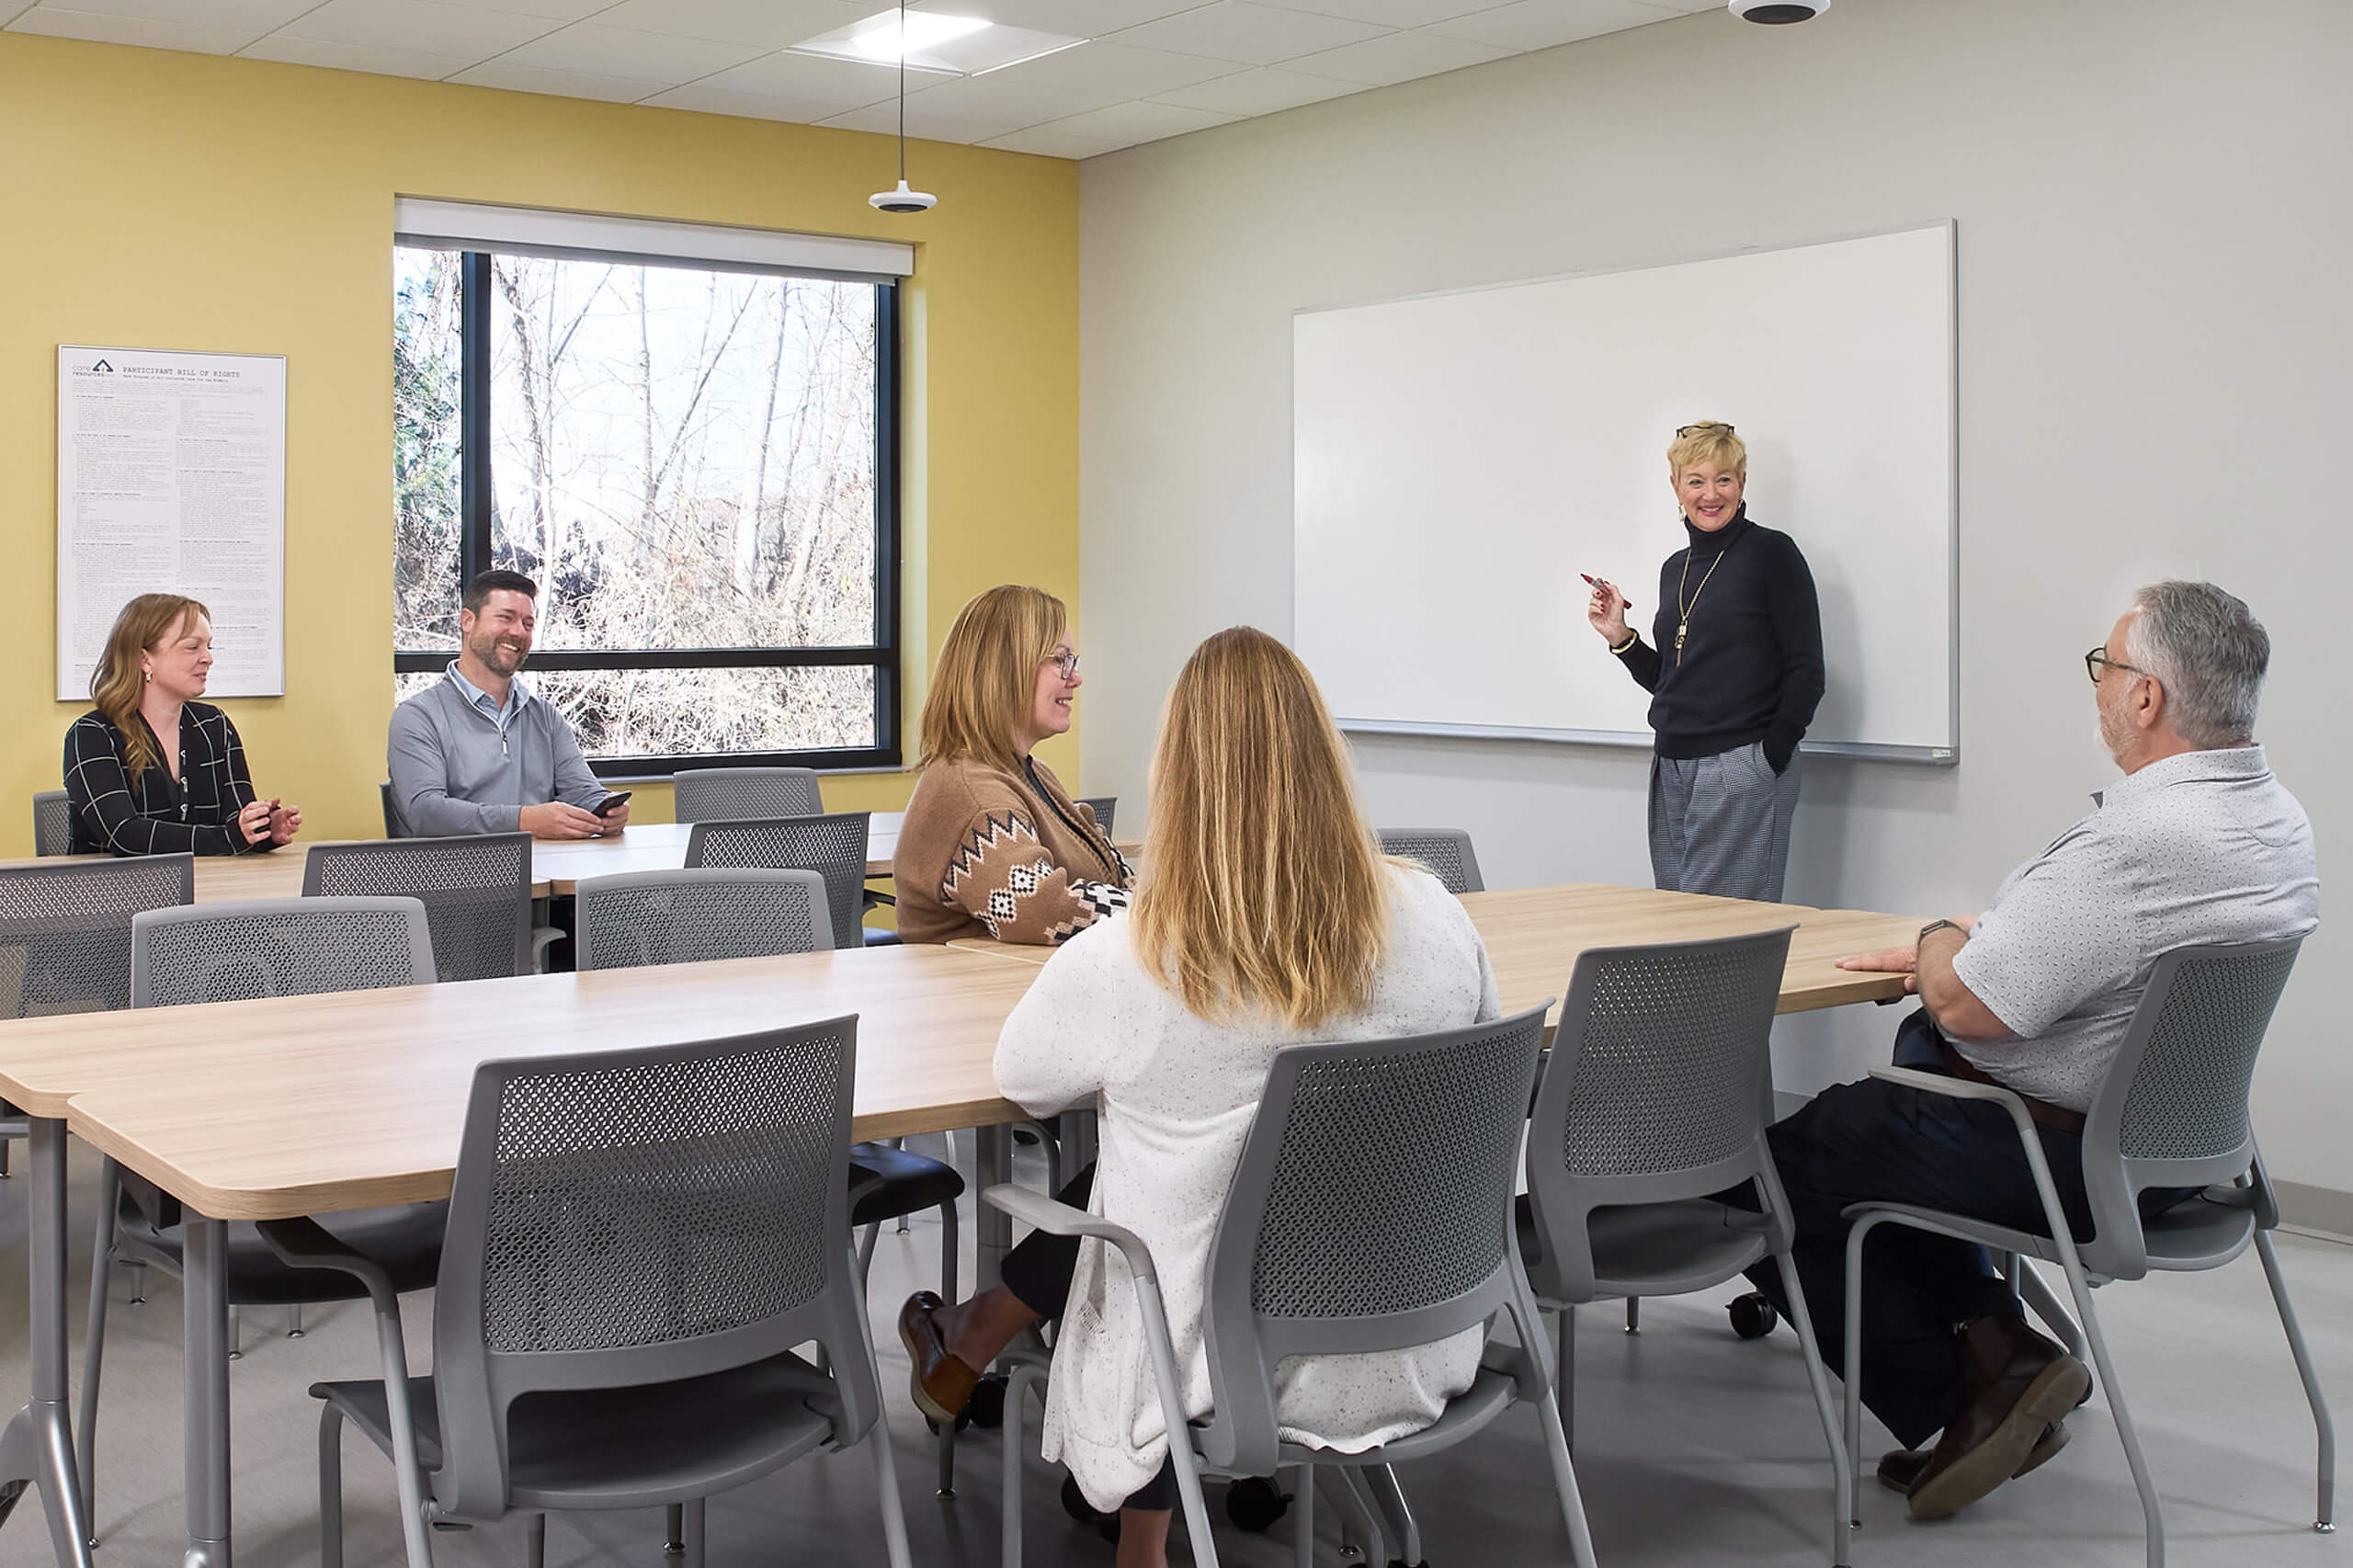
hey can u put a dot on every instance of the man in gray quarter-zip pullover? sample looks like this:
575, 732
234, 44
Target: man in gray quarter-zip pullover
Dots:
476, 752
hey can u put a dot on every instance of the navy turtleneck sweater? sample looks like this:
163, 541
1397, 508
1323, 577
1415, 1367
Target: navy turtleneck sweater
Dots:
1751, 665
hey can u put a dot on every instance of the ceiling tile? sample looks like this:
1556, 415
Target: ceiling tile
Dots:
770, 24
558, 83
707, 99
597, 50
974, 108
1080, 19
1388, 13
1034, 103
1129, 124
812, 78
1264, 91
884, 120
251, 16
1255, 35
427, 25
553, 10
357, 57
1540, 24
1117, 70
1398, 57
1047, 141
49, 21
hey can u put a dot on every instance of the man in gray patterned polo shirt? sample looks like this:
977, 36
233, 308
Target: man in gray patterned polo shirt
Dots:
2197, 844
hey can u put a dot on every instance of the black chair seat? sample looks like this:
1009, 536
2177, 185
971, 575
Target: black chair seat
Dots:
1659, 1249
885, 1183
631, 1448
405, 1241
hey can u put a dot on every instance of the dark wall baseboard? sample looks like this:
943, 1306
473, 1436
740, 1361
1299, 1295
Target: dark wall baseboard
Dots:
2323, 1210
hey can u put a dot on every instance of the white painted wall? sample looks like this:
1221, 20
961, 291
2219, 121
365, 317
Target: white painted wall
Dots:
2156, 372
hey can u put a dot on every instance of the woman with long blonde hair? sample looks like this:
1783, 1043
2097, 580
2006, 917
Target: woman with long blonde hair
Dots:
993, 845
151, 770
1265, 917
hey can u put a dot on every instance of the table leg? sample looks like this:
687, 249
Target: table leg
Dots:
205, 1339
37, 1447
993, 1232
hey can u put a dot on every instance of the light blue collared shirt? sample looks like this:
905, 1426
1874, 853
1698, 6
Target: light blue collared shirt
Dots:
518, 694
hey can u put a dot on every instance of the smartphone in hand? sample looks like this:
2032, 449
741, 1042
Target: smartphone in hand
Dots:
607, 806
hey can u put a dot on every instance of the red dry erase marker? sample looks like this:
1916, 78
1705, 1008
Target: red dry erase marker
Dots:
1599, 584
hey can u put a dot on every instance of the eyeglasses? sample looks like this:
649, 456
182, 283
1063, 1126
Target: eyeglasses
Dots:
2097, 657
1066, 663
1683, 430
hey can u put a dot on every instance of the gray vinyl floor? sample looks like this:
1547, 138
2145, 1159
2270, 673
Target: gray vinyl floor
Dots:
1693, 1448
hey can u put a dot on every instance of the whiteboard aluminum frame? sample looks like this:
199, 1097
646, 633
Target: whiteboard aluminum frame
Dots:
1945, 755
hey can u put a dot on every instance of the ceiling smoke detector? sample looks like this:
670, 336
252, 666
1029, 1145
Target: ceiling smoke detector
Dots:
1777, 13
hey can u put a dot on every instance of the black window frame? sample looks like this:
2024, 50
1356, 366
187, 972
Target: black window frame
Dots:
474, 545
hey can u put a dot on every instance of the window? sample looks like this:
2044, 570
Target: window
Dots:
698, 465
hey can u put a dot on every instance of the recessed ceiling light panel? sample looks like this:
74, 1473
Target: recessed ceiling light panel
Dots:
932, 40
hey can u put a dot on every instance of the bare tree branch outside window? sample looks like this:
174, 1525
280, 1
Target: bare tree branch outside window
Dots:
683, 460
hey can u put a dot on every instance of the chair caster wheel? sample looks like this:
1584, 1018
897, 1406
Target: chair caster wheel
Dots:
1753, 1316
1075, 1504
1253, 1503
986, 1407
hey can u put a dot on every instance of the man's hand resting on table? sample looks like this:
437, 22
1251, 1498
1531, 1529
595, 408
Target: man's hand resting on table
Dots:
557, 819
1900, 961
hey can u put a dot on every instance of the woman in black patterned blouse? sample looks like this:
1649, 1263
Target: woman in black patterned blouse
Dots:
130, 793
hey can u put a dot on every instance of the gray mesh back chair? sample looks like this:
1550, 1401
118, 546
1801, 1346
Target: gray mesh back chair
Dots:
66, 938
740, 794
1657, 1096
1341, 1236
66, 929
833, 846
1103, 806
638, 1240
2172, 1113
391, 815
476, 890
694, 916
231, 952
1445, 850
52, 823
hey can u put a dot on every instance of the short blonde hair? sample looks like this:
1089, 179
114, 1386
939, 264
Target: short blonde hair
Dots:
1263, 891
986, 680
1711, 440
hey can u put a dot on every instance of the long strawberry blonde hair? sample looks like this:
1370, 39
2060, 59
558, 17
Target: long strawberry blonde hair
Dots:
119, 680
1263, 891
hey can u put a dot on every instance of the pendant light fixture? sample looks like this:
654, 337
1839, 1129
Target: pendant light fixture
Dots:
903, 199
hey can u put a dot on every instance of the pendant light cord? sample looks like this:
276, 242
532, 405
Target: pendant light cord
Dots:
903, 92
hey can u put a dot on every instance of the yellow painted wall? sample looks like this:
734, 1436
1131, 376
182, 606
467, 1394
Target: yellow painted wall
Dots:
155, 200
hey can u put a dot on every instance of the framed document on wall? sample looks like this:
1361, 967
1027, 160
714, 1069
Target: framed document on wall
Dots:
171, 478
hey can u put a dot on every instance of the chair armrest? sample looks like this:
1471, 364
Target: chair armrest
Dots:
1058, 1219
1962, 1089
306, 1243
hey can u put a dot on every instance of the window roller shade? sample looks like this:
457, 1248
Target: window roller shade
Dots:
467, 225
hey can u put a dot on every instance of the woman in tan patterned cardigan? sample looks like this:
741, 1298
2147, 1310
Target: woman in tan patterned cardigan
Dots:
993, 845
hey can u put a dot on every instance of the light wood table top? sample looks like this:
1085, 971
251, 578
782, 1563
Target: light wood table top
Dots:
557, 865
308, 1105
1535, 935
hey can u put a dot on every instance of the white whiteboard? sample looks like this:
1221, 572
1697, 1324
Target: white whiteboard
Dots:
1459, 458
171, 479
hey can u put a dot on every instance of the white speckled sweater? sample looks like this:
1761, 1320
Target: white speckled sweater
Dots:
1178, 1097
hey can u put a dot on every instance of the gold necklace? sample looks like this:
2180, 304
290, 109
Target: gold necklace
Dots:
1683, 626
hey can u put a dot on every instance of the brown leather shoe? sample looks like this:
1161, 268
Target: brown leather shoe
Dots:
1899, 1469
2015, 1385
940, 1384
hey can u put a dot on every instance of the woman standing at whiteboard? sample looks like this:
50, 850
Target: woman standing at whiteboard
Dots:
1733, 678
